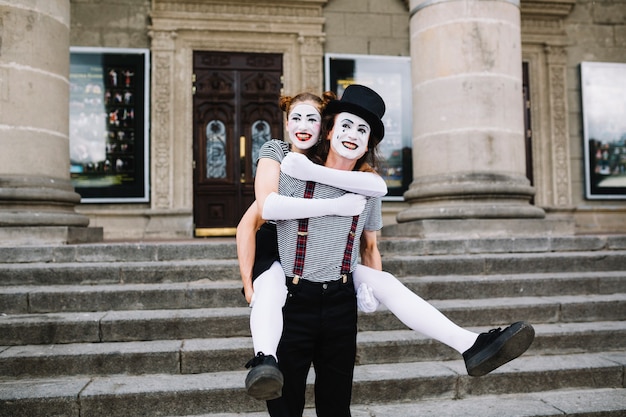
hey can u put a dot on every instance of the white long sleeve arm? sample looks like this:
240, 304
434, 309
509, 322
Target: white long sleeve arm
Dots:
280, 207
366, 183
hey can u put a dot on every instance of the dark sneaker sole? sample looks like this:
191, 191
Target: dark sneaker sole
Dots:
264, 383
513, 341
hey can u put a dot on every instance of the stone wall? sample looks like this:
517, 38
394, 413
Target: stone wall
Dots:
369, 27
110, 23
596, 32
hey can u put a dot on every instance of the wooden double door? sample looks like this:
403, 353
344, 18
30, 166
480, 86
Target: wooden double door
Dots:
235, 111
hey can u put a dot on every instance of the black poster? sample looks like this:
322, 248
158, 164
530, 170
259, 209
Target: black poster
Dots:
109, 124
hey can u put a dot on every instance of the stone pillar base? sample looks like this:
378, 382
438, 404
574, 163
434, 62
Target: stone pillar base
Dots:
477, 195
49, 235
480, 228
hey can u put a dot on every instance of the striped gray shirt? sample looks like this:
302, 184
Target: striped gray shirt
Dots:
328, 235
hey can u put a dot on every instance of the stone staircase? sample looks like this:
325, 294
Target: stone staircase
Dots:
161, 329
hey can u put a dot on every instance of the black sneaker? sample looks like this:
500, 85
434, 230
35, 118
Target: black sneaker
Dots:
498, 347
264, 381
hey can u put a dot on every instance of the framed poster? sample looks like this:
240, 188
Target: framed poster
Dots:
109, 126
389, 76
604, 124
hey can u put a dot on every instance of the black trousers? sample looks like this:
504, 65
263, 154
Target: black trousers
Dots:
320, 326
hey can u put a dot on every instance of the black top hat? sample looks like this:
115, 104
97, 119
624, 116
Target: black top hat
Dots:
364, 102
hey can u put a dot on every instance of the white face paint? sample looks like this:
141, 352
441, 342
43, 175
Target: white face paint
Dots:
303, 125
350, 136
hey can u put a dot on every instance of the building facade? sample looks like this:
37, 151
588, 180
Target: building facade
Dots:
210, 60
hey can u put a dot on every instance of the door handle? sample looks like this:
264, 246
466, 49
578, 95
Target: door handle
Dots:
242, 158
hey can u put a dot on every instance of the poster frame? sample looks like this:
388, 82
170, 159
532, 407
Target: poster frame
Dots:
126, 185
380, 69
603, 96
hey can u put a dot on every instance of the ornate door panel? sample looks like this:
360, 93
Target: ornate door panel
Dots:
235, 110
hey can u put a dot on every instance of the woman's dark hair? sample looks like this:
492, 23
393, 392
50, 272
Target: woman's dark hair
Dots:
369, 161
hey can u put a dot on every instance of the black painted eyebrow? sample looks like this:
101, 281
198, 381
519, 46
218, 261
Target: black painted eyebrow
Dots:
360, 125
306, 115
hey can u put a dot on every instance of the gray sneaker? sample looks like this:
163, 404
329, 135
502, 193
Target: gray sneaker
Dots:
497, 347
264, 381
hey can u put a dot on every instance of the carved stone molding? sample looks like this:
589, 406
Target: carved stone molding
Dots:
559, 122
546, 9
545, 17
162, 40
240, 9
543, 33
161, 132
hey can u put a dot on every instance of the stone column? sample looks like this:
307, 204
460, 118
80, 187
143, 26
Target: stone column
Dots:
468, 126
37, 199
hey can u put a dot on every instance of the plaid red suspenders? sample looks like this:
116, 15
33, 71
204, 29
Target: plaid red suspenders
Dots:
303, 226
347, 254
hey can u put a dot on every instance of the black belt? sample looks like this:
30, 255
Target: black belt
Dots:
345, 279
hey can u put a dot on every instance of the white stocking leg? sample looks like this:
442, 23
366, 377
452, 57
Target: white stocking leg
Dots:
412, 310
266, 317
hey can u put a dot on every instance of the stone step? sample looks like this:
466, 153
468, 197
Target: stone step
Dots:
221, 392
41, 273
78, 298
196, 249
194, 356
444, 287
225, 248
32, 299
605, 402
135, 325
505, 263
119, 272
418, 246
